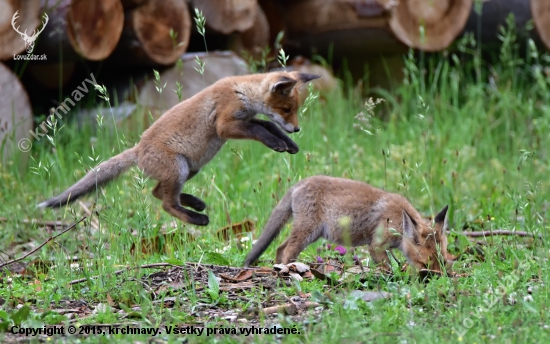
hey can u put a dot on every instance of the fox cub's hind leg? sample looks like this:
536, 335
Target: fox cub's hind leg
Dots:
171, 203
175, 172
304, 232
186, 200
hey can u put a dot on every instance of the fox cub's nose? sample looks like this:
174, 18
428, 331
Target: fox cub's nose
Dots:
296, 129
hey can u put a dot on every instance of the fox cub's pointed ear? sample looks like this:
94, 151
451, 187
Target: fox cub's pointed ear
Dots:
442, 218
304, 78
409, 227
284, 86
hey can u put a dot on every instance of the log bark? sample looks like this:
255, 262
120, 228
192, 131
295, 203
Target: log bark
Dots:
146, 38
227, 16
253, 40
11, 42
16, 118
442, 20
541, 16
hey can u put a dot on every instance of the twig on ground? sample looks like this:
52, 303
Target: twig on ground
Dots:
496, 232
118, 272
93, 221
212, 266
40, 246
40, 222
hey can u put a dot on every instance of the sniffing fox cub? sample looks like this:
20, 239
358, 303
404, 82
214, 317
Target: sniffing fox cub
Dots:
350, 212
190, 134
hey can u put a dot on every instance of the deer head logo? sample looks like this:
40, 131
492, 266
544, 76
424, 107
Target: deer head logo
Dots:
29, 40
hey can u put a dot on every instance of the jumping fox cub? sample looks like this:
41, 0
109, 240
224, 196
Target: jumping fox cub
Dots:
350, 212
190, 134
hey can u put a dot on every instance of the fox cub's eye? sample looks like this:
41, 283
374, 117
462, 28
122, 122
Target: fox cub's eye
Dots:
286, 110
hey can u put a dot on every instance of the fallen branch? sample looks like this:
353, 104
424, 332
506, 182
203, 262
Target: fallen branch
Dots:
93, 221
289, 308
118, 272
496, 232
41, 245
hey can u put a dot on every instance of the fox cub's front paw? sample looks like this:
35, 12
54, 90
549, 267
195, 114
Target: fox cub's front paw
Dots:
201, 220
292, 147
278, 145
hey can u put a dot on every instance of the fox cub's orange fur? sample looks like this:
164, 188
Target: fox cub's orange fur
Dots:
350, 212
190, 134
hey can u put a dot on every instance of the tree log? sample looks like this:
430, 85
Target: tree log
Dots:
11, 42
377, 26
131, 4
329, 24
541, 17
254, 39
443, 21
227, 16
218, 65
146, 36
90, 29
94, 27
16, 118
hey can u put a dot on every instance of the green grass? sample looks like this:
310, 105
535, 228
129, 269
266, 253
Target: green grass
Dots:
471, 135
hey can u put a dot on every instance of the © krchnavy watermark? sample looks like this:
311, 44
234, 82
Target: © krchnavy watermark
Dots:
490, 299
29, 40
42, 130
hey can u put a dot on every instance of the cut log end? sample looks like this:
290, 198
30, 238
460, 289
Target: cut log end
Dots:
541, 16
15, 115
442, 21
94, 27
27, 19
163, 29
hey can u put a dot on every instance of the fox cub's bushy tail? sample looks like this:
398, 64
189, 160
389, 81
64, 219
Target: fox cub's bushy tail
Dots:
103, 173
278, 218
